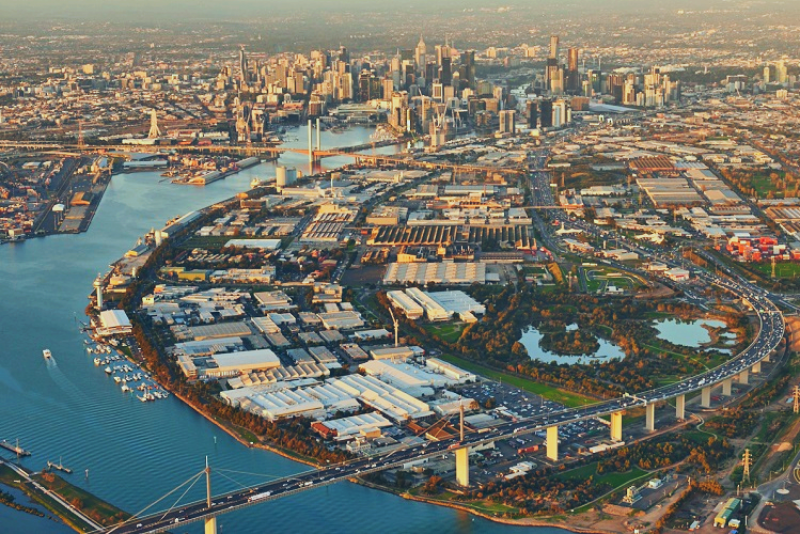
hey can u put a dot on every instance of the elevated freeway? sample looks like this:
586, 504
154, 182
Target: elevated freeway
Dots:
768, 339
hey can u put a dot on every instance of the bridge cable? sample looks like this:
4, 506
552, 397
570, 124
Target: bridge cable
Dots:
196, 478
139, 513
235, 481
262, 475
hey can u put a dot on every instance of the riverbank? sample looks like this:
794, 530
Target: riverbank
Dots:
525, 521
75, 507
288, 454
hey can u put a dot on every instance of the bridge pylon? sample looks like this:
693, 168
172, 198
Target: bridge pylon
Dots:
210, 522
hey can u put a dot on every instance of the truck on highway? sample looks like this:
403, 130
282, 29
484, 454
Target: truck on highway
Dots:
259, 496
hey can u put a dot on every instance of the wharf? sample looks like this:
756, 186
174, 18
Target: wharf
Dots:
59, 466
16, 449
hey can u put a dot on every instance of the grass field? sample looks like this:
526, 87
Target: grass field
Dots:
487, 507
449, 332
567, 398
783, 269
92, 506
764, 185
616, 480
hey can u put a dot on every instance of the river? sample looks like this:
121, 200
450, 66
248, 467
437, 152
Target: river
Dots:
137, 452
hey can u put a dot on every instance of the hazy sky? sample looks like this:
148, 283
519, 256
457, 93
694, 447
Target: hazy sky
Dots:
93, 9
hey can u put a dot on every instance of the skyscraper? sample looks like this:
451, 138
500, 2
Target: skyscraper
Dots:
420, 52
546, 113
508, 124
533, 114
243, 73
446, 71
468, 60
554, 47
573, 76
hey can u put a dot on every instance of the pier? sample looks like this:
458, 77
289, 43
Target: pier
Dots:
16, 449
59, 466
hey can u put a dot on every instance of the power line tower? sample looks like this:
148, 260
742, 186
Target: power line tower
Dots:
155, 133
747, 462
796, 395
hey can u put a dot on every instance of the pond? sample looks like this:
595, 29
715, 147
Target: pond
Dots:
532, 338
687, 333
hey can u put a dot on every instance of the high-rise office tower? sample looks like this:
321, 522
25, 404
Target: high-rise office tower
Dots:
468, 60
781, 74
546, 113
554, 47
573, 76
420, 51
442, 51
446, 71
243, 73
572, 59
533, 114
508, 123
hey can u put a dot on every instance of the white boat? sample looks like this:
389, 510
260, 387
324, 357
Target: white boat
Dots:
108, 370
255, 182
47, 354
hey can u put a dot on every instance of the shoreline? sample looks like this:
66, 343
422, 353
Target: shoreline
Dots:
249, 444
522, 522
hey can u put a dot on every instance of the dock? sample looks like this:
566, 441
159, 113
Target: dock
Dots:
16, 449
59, 466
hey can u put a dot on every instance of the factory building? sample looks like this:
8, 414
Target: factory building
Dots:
446, 272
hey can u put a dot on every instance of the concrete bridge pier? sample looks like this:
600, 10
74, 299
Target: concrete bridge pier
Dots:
462, 467
650, 417
726, 386
756, 368
680, 407
743, 377
552, 443
705, 397
616, 425
211, 525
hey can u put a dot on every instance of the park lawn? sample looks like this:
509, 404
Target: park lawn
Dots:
567, 398
763, 185
485, 506
449, 332
614, 479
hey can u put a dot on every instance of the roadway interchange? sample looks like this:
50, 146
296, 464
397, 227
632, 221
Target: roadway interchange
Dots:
770, 335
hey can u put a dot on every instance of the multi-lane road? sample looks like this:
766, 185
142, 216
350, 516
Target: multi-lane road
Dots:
770, 334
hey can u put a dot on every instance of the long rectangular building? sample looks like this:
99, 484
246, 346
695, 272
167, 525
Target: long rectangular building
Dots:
405, 304
440, 273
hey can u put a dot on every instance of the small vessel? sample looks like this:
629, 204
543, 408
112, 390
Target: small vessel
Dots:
255, 182
108, 370
47, 354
